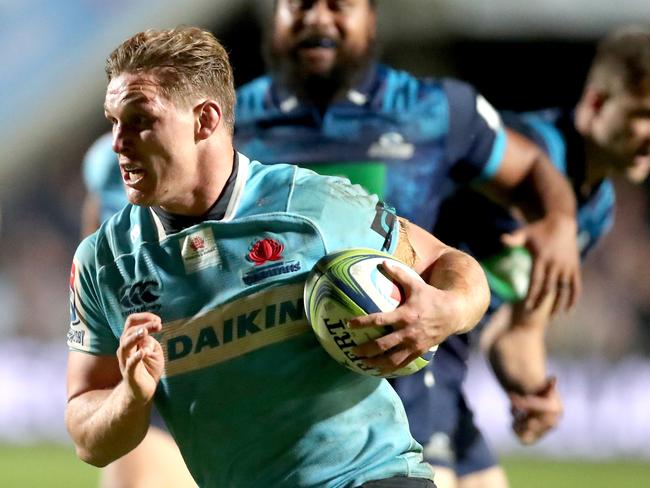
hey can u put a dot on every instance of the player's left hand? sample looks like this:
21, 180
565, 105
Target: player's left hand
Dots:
552, 241
536, 413
425, 319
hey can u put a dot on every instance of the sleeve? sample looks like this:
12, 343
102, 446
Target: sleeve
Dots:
477, 138
98, 163
541, 132
346, 215
89, 329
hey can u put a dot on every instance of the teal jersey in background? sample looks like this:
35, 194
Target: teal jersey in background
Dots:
101, 175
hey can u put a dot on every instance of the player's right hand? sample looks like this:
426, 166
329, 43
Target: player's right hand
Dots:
553, 244
535, 414
427, 317
140, 356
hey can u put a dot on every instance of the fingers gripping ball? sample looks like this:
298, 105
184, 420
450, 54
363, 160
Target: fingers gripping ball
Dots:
347, 284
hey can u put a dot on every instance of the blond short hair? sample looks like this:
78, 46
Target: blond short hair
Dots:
189, 62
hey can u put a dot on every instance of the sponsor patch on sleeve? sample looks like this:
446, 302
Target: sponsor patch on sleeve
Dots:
78, 336
384, 223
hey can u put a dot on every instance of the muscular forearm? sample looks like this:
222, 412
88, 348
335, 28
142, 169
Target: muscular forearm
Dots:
106, 424
554, 195
462, 276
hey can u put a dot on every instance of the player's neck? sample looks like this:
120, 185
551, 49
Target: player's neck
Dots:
213, 172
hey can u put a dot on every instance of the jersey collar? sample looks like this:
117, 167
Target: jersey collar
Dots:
359, 95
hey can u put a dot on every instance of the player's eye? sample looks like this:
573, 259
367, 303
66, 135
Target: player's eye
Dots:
139, 122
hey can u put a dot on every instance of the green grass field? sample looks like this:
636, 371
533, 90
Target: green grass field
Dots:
47, 466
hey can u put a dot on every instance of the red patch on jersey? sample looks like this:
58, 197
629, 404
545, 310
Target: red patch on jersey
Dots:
265, 250
72, 274
197, 243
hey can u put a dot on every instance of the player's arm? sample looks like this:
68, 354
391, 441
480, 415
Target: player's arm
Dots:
451, 300
527, 179
110, 397
517, 353
517, 172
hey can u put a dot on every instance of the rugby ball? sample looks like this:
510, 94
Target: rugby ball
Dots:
348, 284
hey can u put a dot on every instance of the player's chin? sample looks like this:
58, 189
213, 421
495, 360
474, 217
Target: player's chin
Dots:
137, 197
318, 64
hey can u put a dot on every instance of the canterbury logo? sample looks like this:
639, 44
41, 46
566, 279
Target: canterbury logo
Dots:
139, 294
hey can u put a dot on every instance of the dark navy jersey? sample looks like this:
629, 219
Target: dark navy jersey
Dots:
474, 224
401, 137
398, 136
554, 131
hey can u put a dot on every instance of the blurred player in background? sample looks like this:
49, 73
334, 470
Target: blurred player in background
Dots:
161, 307
606, 134
328, 105
105, 193
106, 196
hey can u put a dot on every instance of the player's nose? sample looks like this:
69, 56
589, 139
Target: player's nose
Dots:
119, 138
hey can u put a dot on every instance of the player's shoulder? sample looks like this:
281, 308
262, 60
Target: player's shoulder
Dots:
399, 91
332, 202
303, 191
117, 235
84, 256
461, 95
251, 99
99, 164
550, 128
531, 118
268, 178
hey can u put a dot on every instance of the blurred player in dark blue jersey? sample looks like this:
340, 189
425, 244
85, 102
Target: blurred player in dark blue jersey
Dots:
327, 104
606, 134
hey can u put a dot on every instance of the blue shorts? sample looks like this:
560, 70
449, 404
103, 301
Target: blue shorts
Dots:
442, 422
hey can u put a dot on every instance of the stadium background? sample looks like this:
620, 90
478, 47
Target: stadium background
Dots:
519, 55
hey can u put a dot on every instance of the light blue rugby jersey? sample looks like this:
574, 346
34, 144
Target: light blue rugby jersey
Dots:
250, 396
403, 138
102, 177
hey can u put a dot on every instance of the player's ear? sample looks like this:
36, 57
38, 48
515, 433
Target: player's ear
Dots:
207, 119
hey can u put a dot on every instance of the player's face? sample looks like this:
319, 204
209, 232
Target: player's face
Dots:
622, 129
154, 141
318, 37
